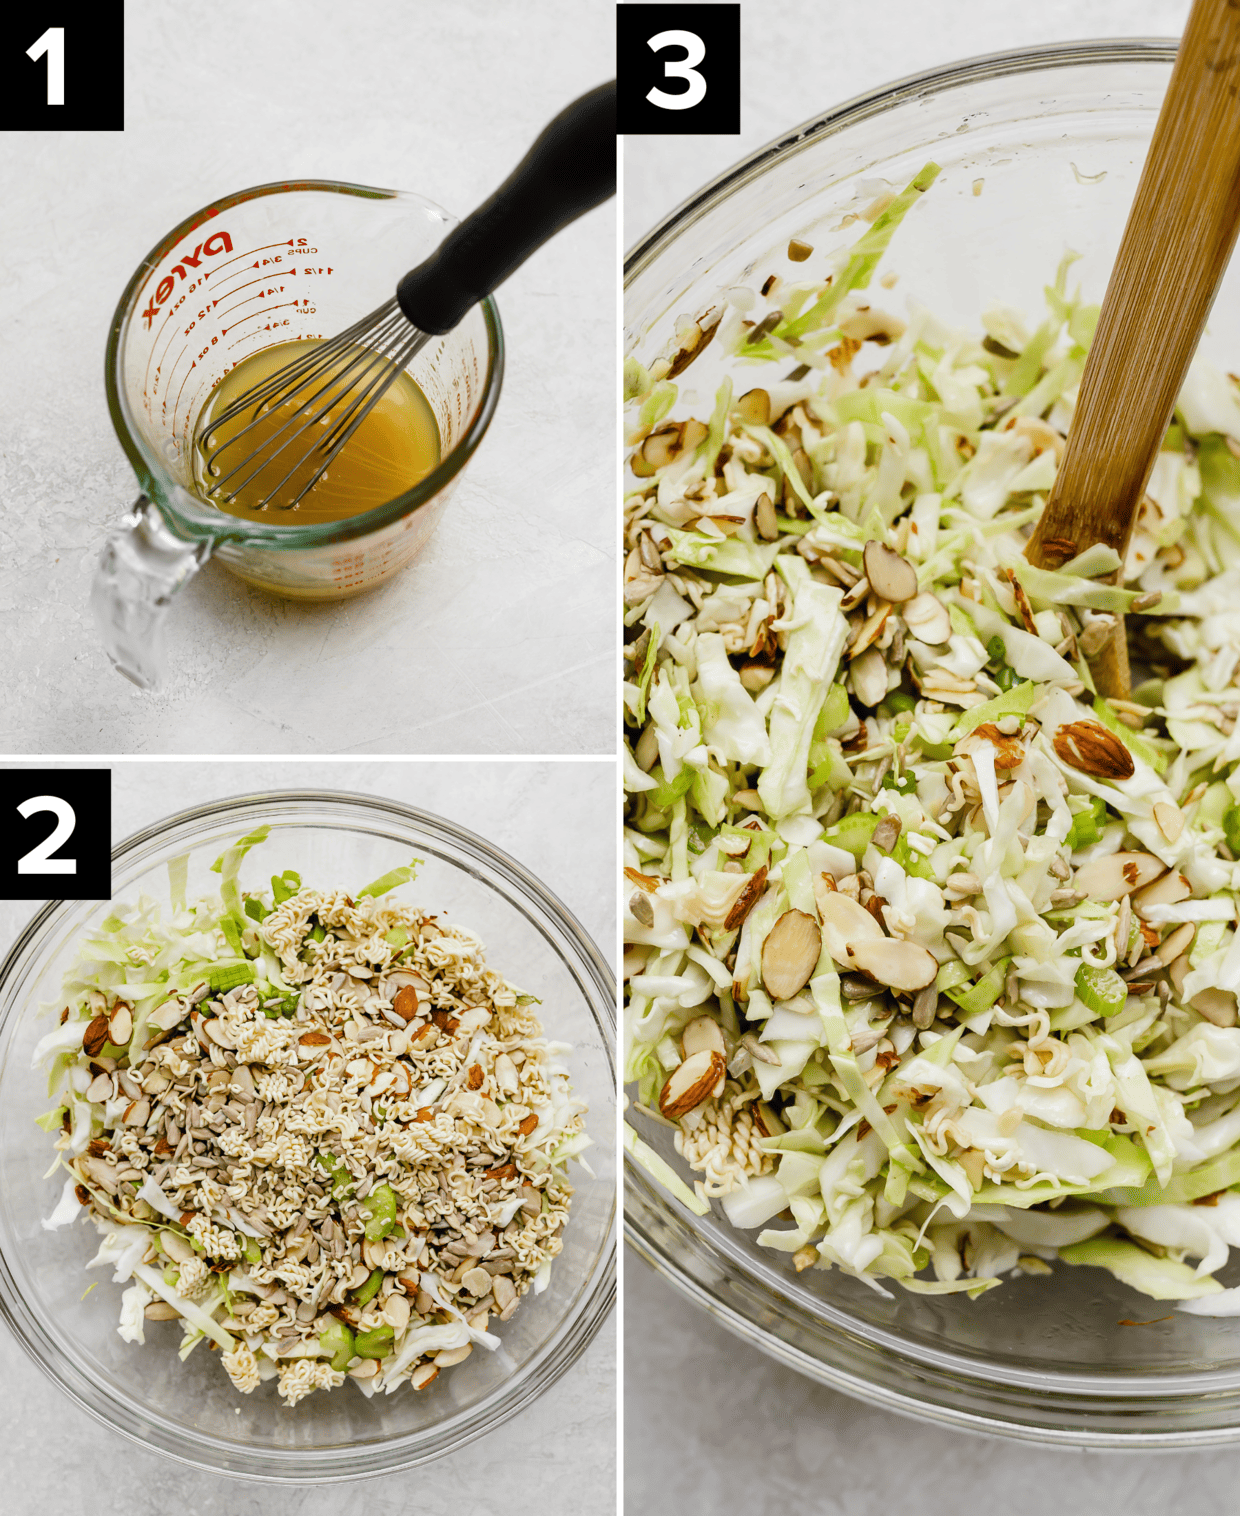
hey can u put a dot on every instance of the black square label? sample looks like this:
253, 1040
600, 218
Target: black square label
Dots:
62, 67
678, 69
57, 834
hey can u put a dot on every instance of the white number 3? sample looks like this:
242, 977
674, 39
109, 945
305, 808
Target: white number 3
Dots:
39, 860
683, 68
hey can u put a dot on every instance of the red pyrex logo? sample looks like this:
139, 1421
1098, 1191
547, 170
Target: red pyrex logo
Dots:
217, 242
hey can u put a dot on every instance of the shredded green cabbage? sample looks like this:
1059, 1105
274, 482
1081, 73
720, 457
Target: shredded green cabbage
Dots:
874, 828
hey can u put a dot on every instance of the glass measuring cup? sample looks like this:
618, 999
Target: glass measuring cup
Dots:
264, 266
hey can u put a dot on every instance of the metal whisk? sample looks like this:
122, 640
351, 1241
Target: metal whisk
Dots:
570, 169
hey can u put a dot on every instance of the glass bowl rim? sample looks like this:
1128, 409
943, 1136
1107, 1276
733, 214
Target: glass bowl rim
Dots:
184, 1444
644, 252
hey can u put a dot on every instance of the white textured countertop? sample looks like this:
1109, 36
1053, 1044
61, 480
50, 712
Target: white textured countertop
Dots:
711, 1424
500, 637
54, 1458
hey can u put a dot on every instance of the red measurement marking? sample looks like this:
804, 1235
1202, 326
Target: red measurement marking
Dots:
283, 304
171, 372
176, 403
249, 300
249, 253
154, 344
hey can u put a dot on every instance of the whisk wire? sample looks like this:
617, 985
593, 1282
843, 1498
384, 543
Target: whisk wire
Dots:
362, 361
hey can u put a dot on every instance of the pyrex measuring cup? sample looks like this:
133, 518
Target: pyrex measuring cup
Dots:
265, 266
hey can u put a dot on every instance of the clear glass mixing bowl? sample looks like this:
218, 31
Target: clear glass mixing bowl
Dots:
189, 1410
1051, 1360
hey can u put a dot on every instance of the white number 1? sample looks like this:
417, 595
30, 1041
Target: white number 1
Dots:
52, 42
682, 68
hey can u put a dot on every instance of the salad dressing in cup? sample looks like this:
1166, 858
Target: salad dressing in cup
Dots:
247, 274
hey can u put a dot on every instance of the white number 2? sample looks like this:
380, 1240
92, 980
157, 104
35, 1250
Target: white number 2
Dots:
683, 68
52, 42
39, 860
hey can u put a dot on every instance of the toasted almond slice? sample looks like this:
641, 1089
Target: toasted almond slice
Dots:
95, 1035
824, 885
764, 518
755, 407
137, 1113
899, 965
160, 1310
1118, 874
168, 1015
1175, 944
1169, 890
1093, 749
100, 1089
890, 576
703, 1032
1170, 820
314, 1039
120, 1025
790, 954
422, 1376
845, 922
869, 677
405, 1002
694, 434
746, 900
662, 446
871, 630
1217, 1006
691, 1082
926, 617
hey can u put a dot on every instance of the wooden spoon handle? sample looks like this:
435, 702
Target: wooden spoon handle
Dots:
1175, 249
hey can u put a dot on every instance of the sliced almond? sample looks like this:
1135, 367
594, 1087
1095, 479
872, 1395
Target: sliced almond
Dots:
845, 922
100, 1089
790, 954
871, 630
1217, 1006
367, 1369
869, 677
756, 676
662, 446
926, 617
95, 1035
1169, 890
1118, 874
764, 518
168, 1015
1170, 821
120, 1025
1093, 749
703, 1033
449, 1356
313, 1040
690, 1083
1177, 943
824, 885
694, 434
138, 1113
405, 1002
746, 900
799, 251
755, 407
903, 966
892, 577
422, 1376
161, 1310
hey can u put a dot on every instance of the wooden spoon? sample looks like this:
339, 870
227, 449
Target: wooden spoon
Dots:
1175, 250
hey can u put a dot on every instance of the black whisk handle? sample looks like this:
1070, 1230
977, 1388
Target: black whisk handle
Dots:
568, 171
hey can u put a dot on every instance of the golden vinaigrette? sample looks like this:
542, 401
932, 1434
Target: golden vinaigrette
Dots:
395, 446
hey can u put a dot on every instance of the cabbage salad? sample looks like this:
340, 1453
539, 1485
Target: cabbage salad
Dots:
932, 953
313, 1130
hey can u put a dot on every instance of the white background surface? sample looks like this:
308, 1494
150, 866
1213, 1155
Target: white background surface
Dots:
557, 1458
712, 1425
500, 637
